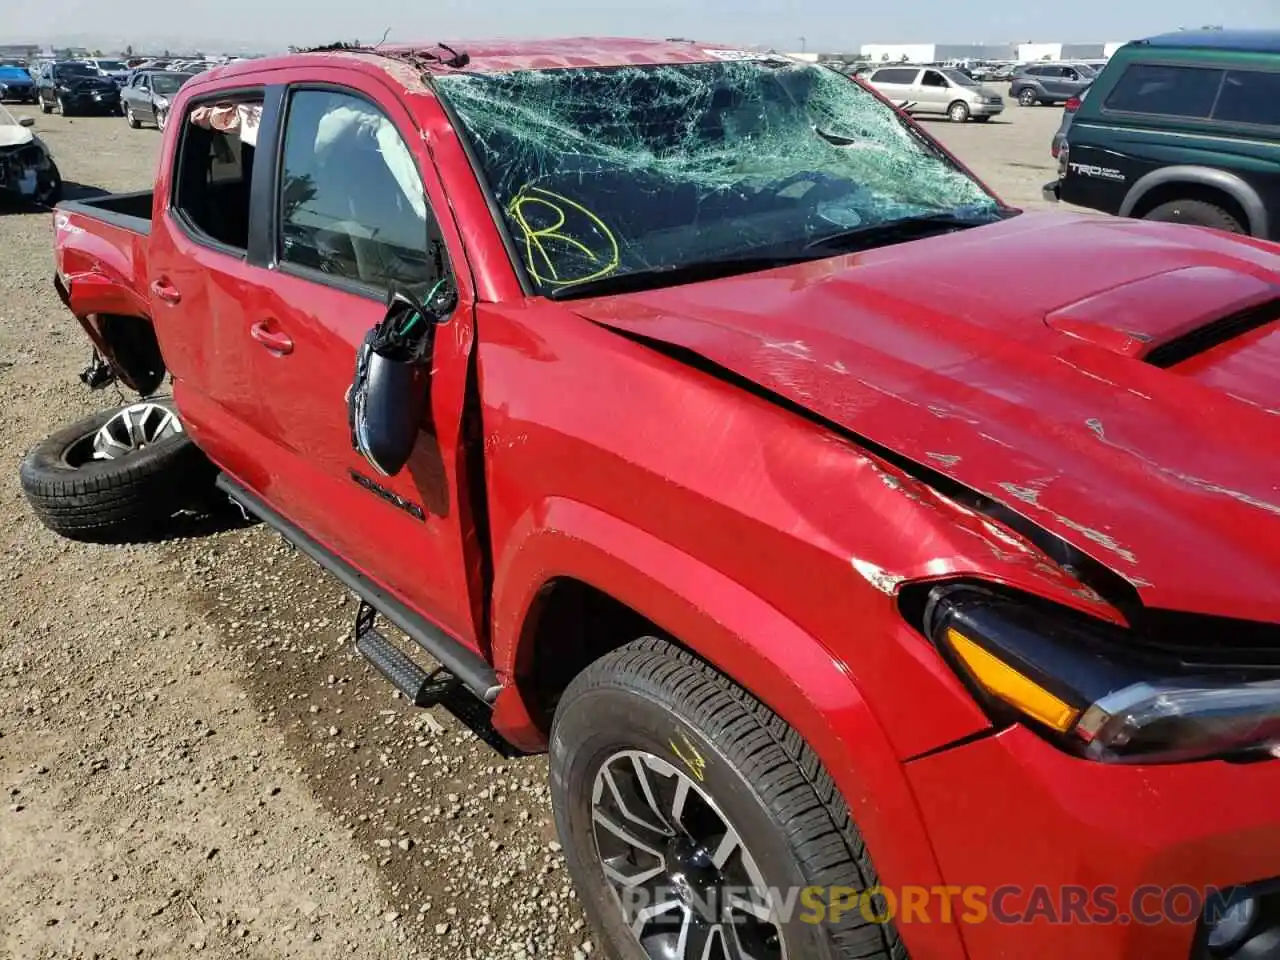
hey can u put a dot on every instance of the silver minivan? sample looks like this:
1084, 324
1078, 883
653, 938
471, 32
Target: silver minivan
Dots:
938, 90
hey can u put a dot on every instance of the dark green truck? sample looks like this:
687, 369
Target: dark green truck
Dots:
1182, 127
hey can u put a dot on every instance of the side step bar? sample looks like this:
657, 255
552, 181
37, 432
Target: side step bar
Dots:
465, 664
421, 688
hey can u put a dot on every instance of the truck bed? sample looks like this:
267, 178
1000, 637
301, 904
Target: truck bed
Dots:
129, 211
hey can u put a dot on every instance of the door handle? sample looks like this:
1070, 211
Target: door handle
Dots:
274, 341
166, 291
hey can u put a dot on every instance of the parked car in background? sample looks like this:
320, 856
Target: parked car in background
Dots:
1183, 127
75, 87
117, 70
146, 97
1068, 113
941, 91
16, 83
1049, 83
27, 170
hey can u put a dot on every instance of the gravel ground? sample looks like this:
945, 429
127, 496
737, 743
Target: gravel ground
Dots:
192, 758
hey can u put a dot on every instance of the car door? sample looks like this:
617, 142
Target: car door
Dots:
137, 96
932, 92
357, 197
1073, 81
1055, 86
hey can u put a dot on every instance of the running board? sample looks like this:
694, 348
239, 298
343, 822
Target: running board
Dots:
463, 663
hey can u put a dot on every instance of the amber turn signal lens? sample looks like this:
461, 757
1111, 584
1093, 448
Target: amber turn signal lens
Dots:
1003, 681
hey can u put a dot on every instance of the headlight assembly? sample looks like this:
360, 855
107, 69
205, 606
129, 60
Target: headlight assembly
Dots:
1091, 689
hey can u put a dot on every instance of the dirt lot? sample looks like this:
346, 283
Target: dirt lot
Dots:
191, 756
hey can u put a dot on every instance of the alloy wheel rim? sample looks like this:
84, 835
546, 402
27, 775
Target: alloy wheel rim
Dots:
684, 880
133, 428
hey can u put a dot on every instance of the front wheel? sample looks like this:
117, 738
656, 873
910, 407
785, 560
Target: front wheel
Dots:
44, 107
62, 107
1198, 213
1027, 97
161, 117
690, 814
130, 118
958, 112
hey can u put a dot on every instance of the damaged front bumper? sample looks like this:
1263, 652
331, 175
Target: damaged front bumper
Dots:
25, 171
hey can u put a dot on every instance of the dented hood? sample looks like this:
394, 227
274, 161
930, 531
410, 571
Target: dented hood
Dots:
1115, 382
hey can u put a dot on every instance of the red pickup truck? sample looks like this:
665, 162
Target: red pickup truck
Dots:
886, 570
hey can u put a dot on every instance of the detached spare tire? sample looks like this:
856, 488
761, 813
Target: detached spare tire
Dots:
116, 476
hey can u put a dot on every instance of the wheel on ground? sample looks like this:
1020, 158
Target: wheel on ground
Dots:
62, 107
682, 803
958, 112
1200, 213
161, 117
1027, 97
130, 118
117, 475
44, 107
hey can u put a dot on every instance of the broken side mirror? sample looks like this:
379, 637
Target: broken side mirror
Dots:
27, 122
391, 390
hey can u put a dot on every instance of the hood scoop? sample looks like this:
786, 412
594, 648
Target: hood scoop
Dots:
1170, 317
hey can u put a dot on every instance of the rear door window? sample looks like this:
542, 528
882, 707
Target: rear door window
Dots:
1249, 96
1169, 91
894, 76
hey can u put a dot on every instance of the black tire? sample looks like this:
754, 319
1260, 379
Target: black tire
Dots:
767, 782
44, 107
131, 118
958, 112
1027, 97
62, 107
49, 187
1199, 213
121, 500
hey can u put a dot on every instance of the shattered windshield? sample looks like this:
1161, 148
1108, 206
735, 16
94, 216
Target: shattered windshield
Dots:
601, 172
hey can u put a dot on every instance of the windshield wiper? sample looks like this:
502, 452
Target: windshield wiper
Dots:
672, 275
892, 231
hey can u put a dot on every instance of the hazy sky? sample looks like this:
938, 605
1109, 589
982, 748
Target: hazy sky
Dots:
827, 24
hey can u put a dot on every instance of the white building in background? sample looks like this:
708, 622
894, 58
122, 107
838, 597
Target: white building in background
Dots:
1028, 52
900, 52
951, 52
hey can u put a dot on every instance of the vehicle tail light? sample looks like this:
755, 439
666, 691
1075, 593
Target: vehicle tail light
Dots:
1073, 105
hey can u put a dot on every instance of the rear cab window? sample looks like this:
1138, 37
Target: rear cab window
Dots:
1166, 90
214, 171
1249, 96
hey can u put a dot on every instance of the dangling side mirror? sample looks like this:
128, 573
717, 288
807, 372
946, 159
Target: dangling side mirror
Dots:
391, 391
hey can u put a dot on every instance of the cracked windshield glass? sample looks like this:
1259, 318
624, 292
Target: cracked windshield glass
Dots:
600, 173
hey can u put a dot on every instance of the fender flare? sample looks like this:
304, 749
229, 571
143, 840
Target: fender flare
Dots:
1229, 183
745, 638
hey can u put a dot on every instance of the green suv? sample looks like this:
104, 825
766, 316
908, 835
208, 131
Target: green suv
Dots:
1183, 127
